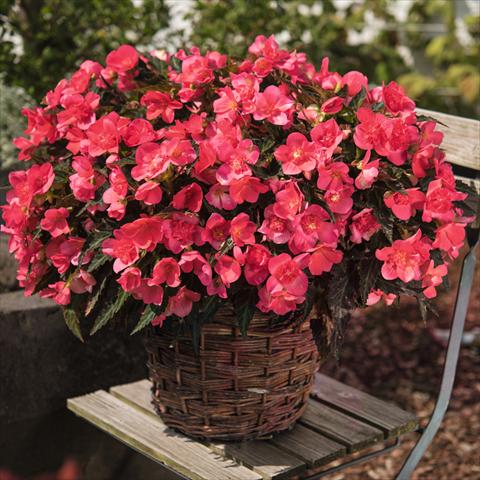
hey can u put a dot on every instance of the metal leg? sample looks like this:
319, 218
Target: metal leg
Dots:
450, 366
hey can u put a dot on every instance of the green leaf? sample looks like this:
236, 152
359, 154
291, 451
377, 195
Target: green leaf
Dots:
94, 299
72, 321
146, 319
110, 311
97, 261
93, 242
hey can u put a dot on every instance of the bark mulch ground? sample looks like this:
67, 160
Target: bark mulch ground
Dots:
391, 353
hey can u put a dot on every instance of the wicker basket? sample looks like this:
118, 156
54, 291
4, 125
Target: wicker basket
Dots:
237, 387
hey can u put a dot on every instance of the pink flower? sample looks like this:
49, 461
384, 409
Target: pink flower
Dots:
256, 264
189, 198
272, 298
449, 238
122, 249
368, 172
332, 105
247, 189
82, 282
242, 230
405, 204
364, 225
103, 136
340, 200
26, 185
58, 292
181, 304
376, 295
152, 161
219, 197
149, 294
196, 70
333, 176
439, 202
179, 152
122, 59
272, 104
160, 104
395, 99
404, 259
327, 136
146, 232
86, 181
227, 104
130, 279
355, 81
138, 131
55, 221
289, 201
297, 156
432, 278
323, 258
149, 193
228, 268
166, 270
193, 261
181, 231
288, 274
216, 231
276, 229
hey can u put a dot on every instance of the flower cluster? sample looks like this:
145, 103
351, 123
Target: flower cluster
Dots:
178, 182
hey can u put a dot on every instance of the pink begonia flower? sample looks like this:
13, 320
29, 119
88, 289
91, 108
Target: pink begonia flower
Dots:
122, 59
333, 176
37, 180
146, 232
79, 111
228, 268
188, 198
323, 258
450, 238
354, 81
247, 189
41, 125
138, 131
364, 225
288, 274
340, 200
310, 227
432, 278
181, 304
82, 282
216, 231
404, 259
395, 99
404, 204
289, 201
158, 320
376, 295
242, 230
217, 287
256, 260
179, 152
149, 193
193, 261
228, 103
272, 104
332, 105
152, 161
278, 230
219, 197
116, 204
149, 294
439, 202
181, 231
166, 270
104, 135
25, 146
272, 298
122, 249
196, 70
86, 181
428, 135
236, 161
207, 157
297, 156
58, 292
63, 253
55, 221
160, 104
130, 279
327, 136
368, 172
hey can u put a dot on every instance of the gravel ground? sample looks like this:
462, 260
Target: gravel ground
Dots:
391, 353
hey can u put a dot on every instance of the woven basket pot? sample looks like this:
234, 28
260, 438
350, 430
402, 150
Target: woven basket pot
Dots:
236, 387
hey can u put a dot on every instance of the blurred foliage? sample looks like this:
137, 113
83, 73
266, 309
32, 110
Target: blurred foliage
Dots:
56, 35
445, 74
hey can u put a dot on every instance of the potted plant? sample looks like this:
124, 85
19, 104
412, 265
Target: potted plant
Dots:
224, 204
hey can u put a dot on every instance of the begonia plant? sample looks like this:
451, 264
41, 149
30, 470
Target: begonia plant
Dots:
169, 185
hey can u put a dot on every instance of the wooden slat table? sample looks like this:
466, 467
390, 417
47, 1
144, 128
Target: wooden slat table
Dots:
339, 421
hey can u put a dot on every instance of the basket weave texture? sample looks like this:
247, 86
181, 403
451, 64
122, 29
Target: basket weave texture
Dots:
237, 387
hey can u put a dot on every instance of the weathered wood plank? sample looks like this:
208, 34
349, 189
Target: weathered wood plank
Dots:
310, 446
392, 420
264, 458
461, 140
339, 427
152, 438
